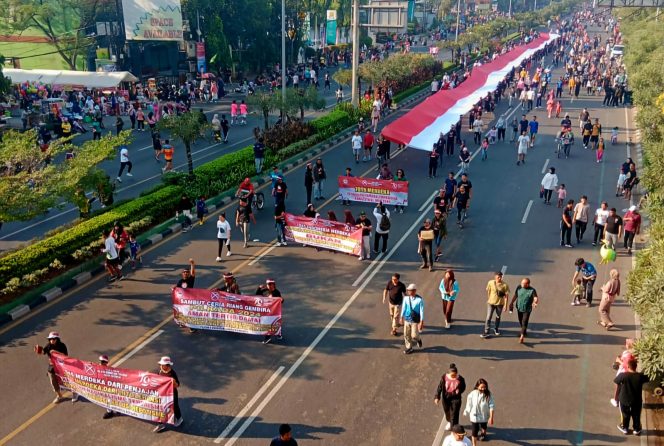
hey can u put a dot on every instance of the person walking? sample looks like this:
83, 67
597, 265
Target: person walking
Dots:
610, 290
588, 274
549, 184
457, 437
365, 224
613, 229
112, 261
280, 223
54, 344
439, 226
383, 224
525, 299
480, 407
449, 289
566, 225
522, 148
599, 221
166, 369
243, 219
630, 397
412, 315
259, 154
124, 162
580, 218
356, 144
395, 291
319, 179
497, 296
223, 236
285, 437
309, 181
450, 390
425, 237
632, 226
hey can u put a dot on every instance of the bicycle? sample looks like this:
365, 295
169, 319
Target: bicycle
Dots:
258, 201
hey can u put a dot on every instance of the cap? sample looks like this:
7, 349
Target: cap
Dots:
363, 213
411, 287
228, 275
437, 211
103, 358
54, 335
632, 208
165, 360
269, 281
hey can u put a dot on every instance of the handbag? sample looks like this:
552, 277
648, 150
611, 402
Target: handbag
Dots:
414, 315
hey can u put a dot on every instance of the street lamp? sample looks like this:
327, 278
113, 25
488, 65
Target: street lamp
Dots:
283, 48
456, 35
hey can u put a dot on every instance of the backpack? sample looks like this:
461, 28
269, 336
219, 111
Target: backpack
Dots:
384, 223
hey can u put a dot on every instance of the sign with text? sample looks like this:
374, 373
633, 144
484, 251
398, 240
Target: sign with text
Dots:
152, 20
367, 190
321, 233
220, 311
139, 394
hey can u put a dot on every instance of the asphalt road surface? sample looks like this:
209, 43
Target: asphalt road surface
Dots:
339, 377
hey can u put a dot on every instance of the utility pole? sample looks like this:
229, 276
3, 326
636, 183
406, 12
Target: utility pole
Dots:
198, 26
283, 50
509, 12
456, 36
356, 53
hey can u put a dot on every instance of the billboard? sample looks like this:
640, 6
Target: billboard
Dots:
152, 20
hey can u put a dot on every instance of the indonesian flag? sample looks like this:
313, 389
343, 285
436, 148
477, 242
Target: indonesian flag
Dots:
421, 127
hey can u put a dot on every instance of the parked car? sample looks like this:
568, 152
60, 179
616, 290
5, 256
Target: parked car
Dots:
617, 50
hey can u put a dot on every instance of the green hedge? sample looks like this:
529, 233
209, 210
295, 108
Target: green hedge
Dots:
61, 246
332, 123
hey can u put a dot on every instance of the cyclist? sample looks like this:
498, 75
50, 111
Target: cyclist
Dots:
246, 191
588, 274
565, 141
243, 218
464, 158
566, 123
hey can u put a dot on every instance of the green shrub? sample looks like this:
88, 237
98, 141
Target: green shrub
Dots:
332, 123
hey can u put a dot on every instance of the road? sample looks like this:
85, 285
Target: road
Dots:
339, 377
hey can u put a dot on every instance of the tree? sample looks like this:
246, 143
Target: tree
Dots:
343, 76
188, 128
266, 102
62, 22
31, 182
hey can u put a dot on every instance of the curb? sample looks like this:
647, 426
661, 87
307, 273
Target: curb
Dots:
173, 228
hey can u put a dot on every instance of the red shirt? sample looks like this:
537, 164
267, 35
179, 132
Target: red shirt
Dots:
631, 221
368, 140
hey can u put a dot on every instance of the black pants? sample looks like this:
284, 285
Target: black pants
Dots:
599, 232
433, 167
309, 189
450, 148
122, 167
588, 290
477, 137
580, 227
565, 234
524, 318
632, 411
629, 239
377, 237
452, 407
176, 405
501, 134
220, 246
547, 195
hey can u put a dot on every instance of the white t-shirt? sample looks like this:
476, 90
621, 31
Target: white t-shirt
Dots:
124, 155
524, 141
602, 215
223, 229
356, 142
452, 441
109, 248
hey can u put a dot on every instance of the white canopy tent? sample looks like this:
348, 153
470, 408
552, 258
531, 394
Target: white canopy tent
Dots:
86, 79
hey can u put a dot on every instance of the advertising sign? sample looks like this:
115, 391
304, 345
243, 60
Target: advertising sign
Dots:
331, 28
368, 190
152, 20
325, 234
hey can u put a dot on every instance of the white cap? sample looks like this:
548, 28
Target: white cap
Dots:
632, 208
411, 287
103, 358
54, 335
165, 360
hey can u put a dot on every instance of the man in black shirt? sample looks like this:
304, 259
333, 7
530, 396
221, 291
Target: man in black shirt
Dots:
269, 290
188, 276
395, 290
462, 202
285, 437
451, 137
364, 223
166, 369
469, 186
440, 203
243, 218
566, 225
54, 345
613, 228
630, 385
280, 192
523, 124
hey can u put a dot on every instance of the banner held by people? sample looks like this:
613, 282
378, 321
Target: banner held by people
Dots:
325, 234
220, 311
369, 190
135, 393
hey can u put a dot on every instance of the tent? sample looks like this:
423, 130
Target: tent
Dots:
67, 78
421, 127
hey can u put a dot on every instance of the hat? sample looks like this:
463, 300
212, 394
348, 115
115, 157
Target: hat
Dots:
363, 213
54, 335
165, 360
103, 358
269, 281
437, 211
411, 287
228, 275
632, 208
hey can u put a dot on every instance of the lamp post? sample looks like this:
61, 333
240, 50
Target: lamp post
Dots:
456, 35
509, 12
355, 100
283, 49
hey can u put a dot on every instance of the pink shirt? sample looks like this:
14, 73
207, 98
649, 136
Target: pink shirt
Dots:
243, 109
562, 193
233, 109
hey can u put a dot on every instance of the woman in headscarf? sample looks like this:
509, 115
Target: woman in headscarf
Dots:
216, 127
610, 290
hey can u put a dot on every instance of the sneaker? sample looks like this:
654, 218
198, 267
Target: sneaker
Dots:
485, 336
569, 246
623, 430
218, 259
129, 175
107, 415
74, 398
419, 343
245, 245
178, 422
496, 332
637, 433
111, 279
613, 402
159, 428
408, 351
280, 338
118, 180
594, 244
58, 399
447, 324
448, 426
228, 254
284, 244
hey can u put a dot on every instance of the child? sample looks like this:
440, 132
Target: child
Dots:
485, 147
134, 249
614, 135
621, 183
562, 194
201, 209
577, 292
559, 108
600, 149
492, 135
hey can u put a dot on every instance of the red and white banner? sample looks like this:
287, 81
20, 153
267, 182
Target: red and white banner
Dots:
421, 127
139, 394
216, 310
325, 234
368, 190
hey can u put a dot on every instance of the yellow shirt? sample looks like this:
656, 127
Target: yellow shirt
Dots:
493, 288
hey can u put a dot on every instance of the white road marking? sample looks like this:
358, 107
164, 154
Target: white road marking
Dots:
138, 348
246, 408
546, 164
263, 254
325, 330
525, 215
374, 262
440, 433
503, 269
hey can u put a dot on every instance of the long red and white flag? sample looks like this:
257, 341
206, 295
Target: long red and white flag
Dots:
421, 127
